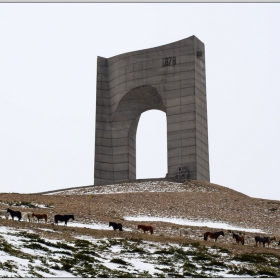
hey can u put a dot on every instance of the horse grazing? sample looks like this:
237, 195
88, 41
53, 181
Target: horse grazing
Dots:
26, 216
40, 217
238, 238
183, 232
63, 218
14, 213
213, 235
146, 228
4, 213
115, 226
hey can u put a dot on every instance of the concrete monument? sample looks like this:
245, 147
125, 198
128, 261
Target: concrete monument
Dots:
170, 78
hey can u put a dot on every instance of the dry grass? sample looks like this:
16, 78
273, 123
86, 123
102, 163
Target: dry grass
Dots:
196, 200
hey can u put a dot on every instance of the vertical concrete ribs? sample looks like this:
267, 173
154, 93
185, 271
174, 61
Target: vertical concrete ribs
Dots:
170, 78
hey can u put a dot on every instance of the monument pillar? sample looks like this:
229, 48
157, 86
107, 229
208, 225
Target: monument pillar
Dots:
170, 78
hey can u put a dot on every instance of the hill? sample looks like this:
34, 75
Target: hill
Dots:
167, 206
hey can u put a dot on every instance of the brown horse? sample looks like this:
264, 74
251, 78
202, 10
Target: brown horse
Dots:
273, 239
238, 238
40, 217
146, 228
213, 235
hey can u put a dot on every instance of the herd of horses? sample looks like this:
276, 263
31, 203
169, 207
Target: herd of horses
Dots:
207, 235
240, 238
145, 228
119, 226
29, 216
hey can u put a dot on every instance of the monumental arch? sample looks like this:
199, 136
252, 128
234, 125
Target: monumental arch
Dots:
170, 78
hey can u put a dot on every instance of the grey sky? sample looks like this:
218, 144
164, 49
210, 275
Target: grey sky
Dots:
48, 56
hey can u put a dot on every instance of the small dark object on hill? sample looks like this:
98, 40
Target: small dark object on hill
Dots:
238, 238
146, 228
14, 213
115, 226
63, 218
213, 235
262, 240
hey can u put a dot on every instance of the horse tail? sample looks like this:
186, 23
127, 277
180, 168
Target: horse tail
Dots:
206, 235
151, 230
46, 218
120, 229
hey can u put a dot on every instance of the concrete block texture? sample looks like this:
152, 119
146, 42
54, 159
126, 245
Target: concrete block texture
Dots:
170, 78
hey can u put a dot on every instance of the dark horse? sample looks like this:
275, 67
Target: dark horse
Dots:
213, 235
262, 240
238, 238
63, 218
14, 213
258, 239
146, 228
115, 226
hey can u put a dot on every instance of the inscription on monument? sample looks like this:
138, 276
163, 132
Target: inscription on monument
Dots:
168, 61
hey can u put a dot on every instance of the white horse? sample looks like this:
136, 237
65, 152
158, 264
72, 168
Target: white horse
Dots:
26, 216
4, 213
249, 239
185, 232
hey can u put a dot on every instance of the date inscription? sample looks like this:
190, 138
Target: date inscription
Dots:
169, 61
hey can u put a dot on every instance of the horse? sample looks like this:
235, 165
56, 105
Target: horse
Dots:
115, 226
273, 238
26, 216
14, 213
4, 213
262, 240
213, 235
238, 238
183, 231
146, 228
63, 218
248, 238
267, 240
40, 217
258, 239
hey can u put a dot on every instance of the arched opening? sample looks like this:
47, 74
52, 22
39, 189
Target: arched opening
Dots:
151, 145
124, 127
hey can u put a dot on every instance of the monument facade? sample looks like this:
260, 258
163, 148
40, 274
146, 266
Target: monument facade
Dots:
170, 78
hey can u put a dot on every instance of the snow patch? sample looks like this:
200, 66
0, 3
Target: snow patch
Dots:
187, 222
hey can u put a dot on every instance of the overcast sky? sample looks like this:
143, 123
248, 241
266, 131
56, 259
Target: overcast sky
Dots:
48, 55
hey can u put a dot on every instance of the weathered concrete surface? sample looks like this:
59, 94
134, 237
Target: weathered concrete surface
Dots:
170, 78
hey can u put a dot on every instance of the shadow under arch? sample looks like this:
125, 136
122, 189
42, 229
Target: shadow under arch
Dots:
124, 126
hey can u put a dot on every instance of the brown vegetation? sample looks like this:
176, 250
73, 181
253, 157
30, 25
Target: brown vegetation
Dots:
195, 200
